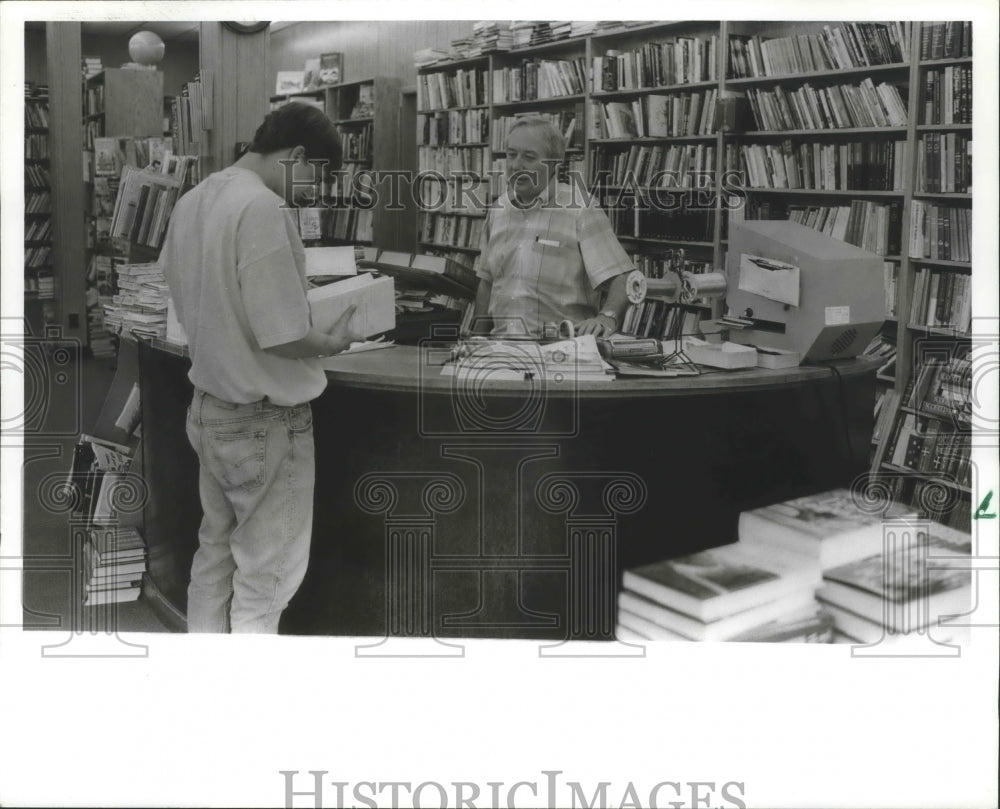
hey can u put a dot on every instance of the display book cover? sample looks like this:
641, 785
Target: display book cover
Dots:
713, 584
829, 526
910, 588
374, 297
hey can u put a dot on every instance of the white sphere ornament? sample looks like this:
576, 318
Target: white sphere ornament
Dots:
146, 48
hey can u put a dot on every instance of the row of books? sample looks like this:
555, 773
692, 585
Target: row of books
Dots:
356, 142
942, 299
945, 40
93, 100
857, 166
839, 47
139, 307
568, 122
36, 113
683, 60
656, 318
38, 202
92, 129
656, 116
797, 568
940, 232
882, 348
114, 560
465, 196
112, 154
461, 88
539, 78
190, 112
452, 127
943, 387
872, 226
38, 230
40, 284
891, 279
886, 401
932, 446
450, 160
676, 166
37, 256
36, 176
455, 231
839, 106
947, 95
349, 223
36, 146
944, 163
143, 206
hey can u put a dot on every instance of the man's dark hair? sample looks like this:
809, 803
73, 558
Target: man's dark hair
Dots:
299, 125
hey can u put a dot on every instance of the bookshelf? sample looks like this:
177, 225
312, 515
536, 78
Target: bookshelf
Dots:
366, 114
859, 129
122, 125
39, 283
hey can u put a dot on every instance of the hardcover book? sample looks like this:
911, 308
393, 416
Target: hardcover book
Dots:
828, 527
726, 628
716, 583
374, 297
899, 591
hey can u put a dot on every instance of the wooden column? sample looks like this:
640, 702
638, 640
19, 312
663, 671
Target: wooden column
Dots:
63, 54
236, 66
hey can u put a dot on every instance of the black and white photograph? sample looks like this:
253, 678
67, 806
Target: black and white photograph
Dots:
323, 488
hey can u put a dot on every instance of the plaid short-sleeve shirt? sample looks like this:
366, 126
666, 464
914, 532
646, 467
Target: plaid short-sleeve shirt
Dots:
546, 261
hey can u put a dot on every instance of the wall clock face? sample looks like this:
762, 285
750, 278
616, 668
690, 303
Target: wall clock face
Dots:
246, 27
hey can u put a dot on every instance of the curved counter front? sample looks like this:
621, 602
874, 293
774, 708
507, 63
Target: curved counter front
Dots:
466, 506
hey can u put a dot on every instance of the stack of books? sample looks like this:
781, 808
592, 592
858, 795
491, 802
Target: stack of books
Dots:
426, 57
727, 593
114, 560
91, 66
895, 598
490, 36
521, 33
140, 306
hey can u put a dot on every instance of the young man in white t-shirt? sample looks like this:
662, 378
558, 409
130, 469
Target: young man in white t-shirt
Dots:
235, 265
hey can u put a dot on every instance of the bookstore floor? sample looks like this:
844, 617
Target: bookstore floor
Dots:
47, 593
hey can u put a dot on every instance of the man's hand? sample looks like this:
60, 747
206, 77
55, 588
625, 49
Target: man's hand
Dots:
343, 332
599, 326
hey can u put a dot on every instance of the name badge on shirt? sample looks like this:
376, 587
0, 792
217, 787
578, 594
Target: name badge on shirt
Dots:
548, 242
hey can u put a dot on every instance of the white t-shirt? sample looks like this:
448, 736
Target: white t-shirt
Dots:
235, 265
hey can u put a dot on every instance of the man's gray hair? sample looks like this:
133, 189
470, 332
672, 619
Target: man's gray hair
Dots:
555, 143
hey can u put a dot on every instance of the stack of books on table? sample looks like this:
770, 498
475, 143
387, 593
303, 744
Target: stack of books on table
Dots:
140, 306
492, 36
114, 559
727, 593
762, 588
897, 598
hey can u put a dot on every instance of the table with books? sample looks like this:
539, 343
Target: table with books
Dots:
452, 504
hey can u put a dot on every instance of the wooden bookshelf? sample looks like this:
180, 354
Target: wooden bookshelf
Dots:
366, 113
39, 282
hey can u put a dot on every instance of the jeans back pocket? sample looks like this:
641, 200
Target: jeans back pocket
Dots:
240, 457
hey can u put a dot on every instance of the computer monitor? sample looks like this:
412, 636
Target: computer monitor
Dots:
800, 290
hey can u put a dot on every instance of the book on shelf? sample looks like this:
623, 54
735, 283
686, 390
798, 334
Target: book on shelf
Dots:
940, 232
373, 297
830, 527
900, 592
716, 583
947, 95
864, 105
945, 40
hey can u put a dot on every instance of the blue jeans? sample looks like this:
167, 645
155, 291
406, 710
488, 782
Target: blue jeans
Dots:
256, 481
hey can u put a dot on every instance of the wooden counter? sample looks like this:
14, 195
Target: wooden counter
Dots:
509, 508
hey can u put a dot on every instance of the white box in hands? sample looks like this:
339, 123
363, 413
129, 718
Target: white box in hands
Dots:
375, 299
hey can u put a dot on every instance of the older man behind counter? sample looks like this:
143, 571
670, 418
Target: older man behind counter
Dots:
546, 254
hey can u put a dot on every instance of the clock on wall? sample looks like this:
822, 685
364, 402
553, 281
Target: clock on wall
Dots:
246, 27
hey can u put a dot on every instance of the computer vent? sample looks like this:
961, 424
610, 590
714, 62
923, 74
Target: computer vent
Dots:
842, 343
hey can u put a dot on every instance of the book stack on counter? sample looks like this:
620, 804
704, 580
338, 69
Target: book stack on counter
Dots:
492, 36
114, 559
